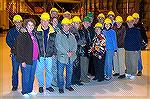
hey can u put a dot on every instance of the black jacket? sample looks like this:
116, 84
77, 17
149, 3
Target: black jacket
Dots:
50, 48
24, 47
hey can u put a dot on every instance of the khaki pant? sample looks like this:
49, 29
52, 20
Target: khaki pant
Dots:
84, 63
119, 61
132, 61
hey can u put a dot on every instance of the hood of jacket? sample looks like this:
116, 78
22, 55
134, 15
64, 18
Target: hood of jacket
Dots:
51, 29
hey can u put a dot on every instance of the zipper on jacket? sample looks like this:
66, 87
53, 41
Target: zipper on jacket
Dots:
43, 44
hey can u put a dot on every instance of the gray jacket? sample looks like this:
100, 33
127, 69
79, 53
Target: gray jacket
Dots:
64, 45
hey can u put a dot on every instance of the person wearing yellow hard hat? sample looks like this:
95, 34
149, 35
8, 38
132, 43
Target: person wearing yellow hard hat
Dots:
119, 55
67, 15
98, 52
46, 40
66, 46
101, 18
111, 15
111, 47
54, 13
140, 26
132, 47
76, 24
10, 40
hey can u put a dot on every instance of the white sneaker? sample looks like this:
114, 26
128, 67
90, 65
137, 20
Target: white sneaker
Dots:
33, 93
26, 96
128, 76
133, 77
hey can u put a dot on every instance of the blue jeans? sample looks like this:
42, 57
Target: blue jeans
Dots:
15, 68
28, 73
108, 63
44, 64
60, 74
140, 67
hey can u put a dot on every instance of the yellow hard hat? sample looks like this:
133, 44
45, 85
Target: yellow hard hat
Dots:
45, 16
17, 18
129, 18
98, 25
66, 21
71, 20
135, 15
67, 12
54, 9
118, 19
76, 19
107, 21
101, 15
111, 13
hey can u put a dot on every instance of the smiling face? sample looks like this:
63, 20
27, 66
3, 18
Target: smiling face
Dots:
130, 23
54, 14
108, 26
111, 17
136, 20
118, 24
86, 24
66, 27
54, 22
98, 30
18, 24
45, 23
76, 25
30, 26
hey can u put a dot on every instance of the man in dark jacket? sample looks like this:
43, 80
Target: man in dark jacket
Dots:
141, 28
85, 35
11, 42
46, 41
132, 45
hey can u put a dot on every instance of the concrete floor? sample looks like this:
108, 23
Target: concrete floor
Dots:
115, 88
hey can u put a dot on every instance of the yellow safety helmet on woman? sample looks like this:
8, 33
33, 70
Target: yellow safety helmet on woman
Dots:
107, 21
118, 19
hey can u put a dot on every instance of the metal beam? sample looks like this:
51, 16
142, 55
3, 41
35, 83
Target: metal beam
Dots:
62, 1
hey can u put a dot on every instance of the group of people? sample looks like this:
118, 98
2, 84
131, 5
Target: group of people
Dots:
46, 50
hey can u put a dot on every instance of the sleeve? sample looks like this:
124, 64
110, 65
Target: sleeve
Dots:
114, 41
74, 46
143, 33
9, 39
20, 47
58, 44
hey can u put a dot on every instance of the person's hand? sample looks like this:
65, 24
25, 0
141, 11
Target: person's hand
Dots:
70, 54
23, 64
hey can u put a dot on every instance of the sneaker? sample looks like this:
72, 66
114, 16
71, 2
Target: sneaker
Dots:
139, 73
61, 91
26, 96
100, 80
128, 76
79, 84
14, 88
122, 76
33, 93
41, 89
107, 78
133, 77
94, 78
70, 89
50, 89
116, 74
